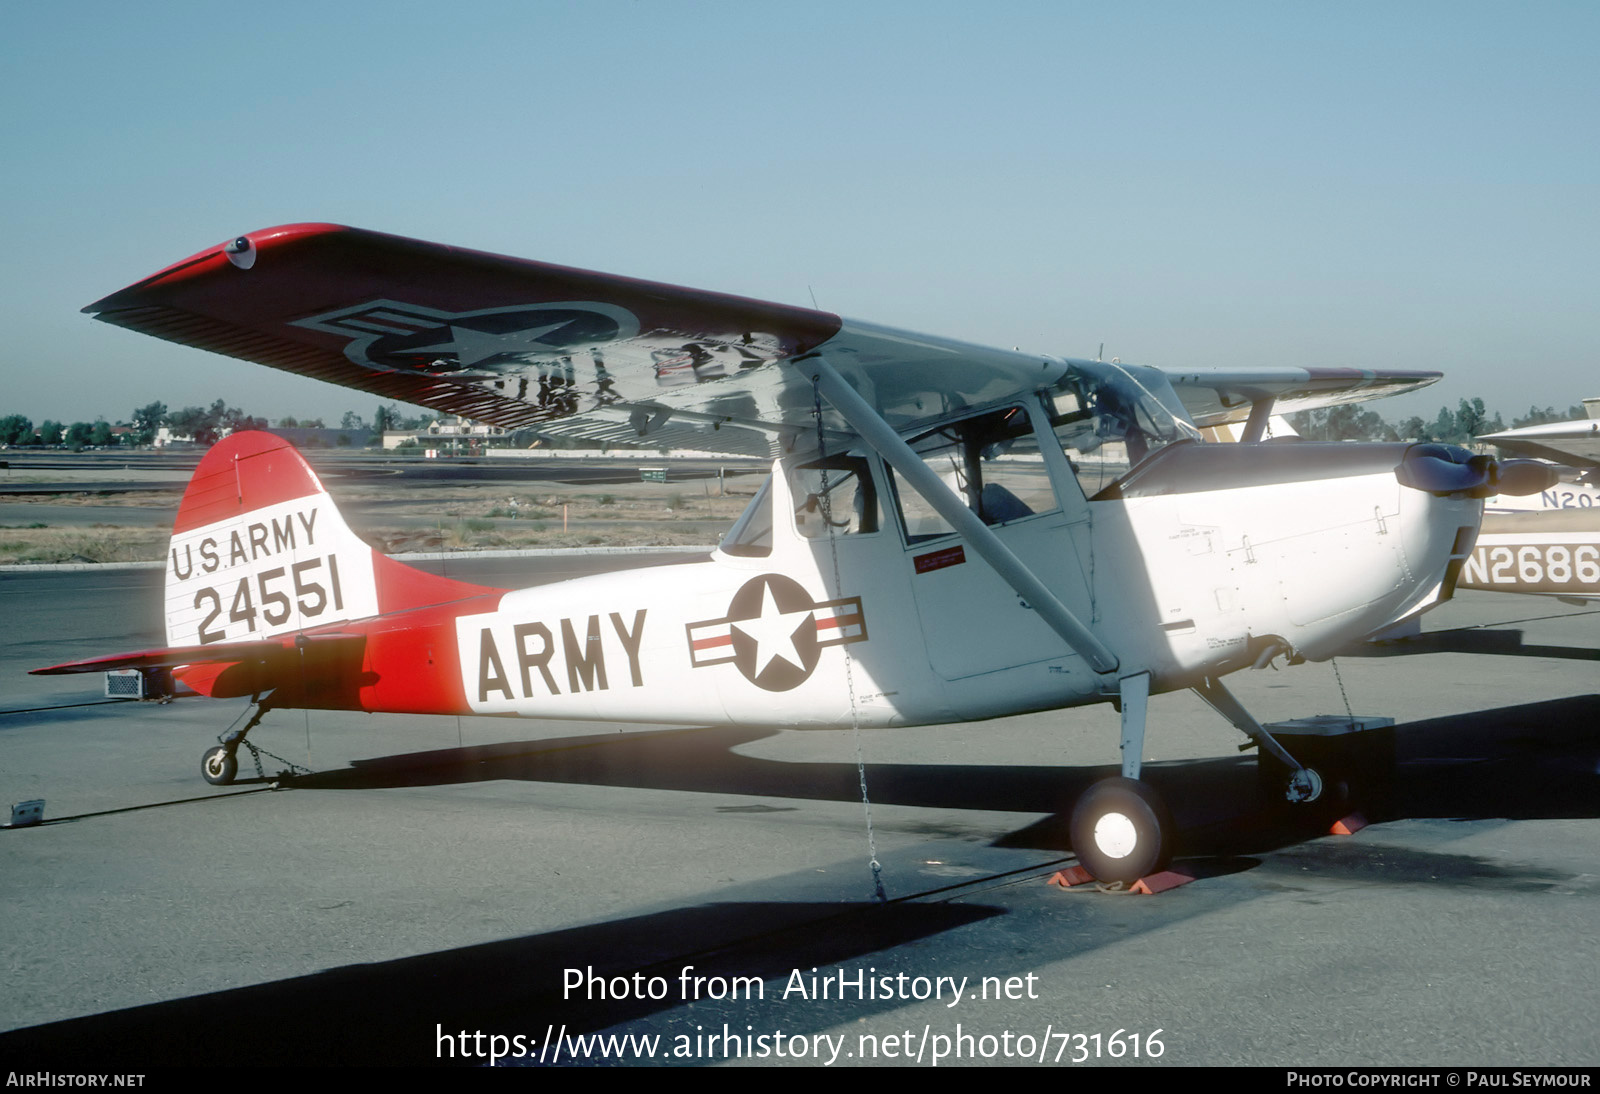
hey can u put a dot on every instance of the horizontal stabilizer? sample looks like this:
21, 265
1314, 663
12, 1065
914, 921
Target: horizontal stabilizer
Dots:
273, 652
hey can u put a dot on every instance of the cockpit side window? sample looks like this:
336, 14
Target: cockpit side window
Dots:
751, 534
834, 495
991, 461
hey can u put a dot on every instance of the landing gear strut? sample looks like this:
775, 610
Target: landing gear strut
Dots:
1305, 783
1121, 829
1316, 790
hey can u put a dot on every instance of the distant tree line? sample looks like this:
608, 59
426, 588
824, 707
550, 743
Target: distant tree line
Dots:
17, 431
203, 425
1350, 422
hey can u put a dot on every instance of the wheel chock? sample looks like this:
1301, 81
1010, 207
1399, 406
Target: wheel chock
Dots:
1348, 826
1161, 882
1072, 875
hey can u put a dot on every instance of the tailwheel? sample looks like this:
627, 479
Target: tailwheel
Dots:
1122, 831
219, 766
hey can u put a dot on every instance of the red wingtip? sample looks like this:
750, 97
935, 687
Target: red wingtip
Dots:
211, 258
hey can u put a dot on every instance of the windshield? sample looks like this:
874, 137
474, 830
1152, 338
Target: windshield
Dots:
1109, 417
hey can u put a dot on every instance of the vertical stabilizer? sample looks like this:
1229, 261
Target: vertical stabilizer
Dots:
259, 549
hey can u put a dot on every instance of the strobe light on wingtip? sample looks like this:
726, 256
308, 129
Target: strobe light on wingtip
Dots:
241, 252
1445, 470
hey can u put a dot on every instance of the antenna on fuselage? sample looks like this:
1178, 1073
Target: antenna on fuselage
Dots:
1100, 353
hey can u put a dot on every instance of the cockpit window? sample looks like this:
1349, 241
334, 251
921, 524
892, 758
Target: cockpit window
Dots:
991, 461
1110, 417
834, 495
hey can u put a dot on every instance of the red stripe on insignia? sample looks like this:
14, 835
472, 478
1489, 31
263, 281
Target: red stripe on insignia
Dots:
708, 643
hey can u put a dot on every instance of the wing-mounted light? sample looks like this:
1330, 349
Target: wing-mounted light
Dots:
241, 252
1445, 470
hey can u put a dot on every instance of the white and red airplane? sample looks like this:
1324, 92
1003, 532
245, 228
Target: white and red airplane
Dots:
950, 532
1545, 543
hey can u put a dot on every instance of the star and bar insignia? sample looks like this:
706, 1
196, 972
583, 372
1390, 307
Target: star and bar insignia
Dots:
774, 632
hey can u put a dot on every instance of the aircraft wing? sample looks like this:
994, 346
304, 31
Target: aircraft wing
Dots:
1576, 444
1221, 396
598, 357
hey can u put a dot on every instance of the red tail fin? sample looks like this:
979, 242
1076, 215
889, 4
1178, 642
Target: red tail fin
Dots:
259, 549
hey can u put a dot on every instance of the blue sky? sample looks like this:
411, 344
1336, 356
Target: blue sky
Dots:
1379, 185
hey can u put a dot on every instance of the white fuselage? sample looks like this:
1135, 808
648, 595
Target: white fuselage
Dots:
1182, 581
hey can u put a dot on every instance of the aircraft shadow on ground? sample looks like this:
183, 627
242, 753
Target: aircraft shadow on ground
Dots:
1537, 760
1504, 643
389, 1013
1528, 761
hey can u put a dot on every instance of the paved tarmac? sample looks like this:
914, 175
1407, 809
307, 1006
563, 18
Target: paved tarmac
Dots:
23, 515
436, 876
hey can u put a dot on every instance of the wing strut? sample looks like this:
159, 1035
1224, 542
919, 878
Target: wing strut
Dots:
887, 443
1260, 415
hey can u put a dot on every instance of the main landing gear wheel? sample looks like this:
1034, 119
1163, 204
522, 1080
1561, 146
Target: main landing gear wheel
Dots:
219, 766
1121, 831
1305, 786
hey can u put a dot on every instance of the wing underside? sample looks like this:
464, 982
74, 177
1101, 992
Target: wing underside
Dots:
496, 339
598, 357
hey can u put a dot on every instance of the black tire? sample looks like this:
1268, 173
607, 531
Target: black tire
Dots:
1122, 831
219, 766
